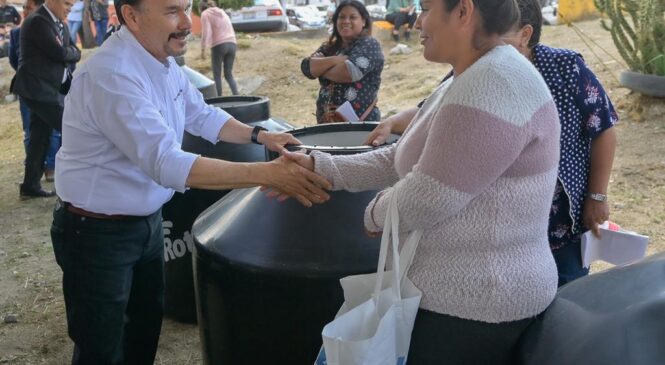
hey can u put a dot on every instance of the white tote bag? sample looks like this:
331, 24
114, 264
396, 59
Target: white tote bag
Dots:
373, 326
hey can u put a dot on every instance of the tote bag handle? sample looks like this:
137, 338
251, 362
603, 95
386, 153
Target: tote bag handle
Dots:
401, 260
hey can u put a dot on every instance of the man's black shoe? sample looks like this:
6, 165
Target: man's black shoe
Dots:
38, 193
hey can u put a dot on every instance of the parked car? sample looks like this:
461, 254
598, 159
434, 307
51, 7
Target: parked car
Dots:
305, 18
263, 16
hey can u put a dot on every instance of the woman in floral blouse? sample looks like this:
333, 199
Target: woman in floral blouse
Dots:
348, 66
588, 141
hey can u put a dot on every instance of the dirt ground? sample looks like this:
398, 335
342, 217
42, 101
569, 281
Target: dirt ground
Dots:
30, 285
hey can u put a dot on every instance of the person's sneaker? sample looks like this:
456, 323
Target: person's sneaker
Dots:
396, 37
49, 175
34, 193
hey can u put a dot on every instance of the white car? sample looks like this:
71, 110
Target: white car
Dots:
263, 16
305, 17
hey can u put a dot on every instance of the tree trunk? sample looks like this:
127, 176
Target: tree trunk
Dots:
87, 39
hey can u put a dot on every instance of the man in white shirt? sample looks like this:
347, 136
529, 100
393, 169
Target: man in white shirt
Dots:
121, 160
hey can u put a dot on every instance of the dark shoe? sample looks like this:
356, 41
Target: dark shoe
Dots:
396, 37
49, 175
407, 36
37, 193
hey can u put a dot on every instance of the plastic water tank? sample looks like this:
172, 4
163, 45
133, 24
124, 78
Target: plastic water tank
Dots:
267, 273
181, 211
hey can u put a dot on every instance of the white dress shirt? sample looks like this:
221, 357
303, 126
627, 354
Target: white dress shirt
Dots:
122, 130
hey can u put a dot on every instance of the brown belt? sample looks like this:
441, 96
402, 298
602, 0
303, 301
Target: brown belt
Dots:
84, 213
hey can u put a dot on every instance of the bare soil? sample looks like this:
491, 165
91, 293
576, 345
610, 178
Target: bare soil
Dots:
30, 280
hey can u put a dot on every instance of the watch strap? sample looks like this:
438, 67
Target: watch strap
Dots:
255, 134
597, 197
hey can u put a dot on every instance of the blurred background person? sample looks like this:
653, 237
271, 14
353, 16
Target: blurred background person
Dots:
56, 138
43, 79
75, 19
401, 12
217, 34
99, 13
348, 66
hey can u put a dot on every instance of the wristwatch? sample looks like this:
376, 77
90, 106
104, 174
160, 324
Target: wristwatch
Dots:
255, 134
597, 197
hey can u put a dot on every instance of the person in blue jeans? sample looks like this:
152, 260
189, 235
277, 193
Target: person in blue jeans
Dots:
75, 19
56, 137
100, 15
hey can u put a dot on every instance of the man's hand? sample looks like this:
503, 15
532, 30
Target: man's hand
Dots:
276, 141
379, 135
595, 213
288, 178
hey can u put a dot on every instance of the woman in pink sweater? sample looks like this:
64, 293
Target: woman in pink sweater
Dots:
475, 171
218, 35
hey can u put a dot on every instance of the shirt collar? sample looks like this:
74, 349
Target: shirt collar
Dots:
155, 68
55, 20
542, 56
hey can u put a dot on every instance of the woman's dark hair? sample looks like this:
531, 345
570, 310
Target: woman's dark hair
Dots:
335, 41
498, 16
531, 14
203, 5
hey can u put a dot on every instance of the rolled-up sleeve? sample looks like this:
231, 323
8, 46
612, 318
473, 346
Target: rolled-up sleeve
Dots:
135, 125
202, 119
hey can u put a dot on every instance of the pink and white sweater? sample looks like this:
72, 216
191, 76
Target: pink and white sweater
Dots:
476, 171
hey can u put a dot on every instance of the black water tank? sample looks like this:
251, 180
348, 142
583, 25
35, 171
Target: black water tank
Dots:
614, 317
267, 273
179, 213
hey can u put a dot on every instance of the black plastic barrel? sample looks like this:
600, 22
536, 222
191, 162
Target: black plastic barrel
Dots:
200, 81
179, 213
615, 317
267, 273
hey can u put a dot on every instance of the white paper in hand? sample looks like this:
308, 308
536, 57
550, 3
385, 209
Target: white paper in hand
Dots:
346, 111
616, 246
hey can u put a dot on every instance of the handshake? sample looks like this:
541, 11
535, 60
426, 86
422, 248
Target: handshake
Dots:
292, 174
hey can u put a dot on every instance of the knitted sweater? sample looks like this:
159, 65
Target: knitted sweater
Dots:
475, 171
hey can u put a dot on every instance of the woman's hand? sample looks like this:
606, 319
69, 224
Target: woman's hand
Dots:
289, 179
595, 213
275, 141
379, 135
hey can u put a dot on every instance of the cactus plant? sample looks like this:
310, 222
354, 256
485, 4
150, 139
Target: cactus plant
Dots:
638, 31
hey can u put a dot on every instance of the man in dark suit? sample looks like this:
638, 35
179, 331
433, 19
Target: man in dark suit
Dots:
42, 79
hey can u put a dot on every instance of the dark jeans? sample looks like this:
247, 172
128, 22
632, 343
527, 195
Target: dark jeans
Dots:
569, 262
100, 30
44, 117
224, 53
399, 18
113, 284
442, 339
54, 143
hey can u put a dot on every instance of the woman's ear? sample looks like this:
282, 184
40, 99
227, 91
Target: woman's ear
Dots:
465, 9
525, 35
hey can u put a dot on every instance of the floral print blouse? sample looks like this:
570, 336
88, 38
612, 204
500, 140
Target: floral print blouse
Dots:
366, 57
585, 111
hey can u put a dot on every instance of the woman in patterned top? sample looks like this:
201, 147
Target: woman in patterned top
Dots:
348, 66
587, 141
